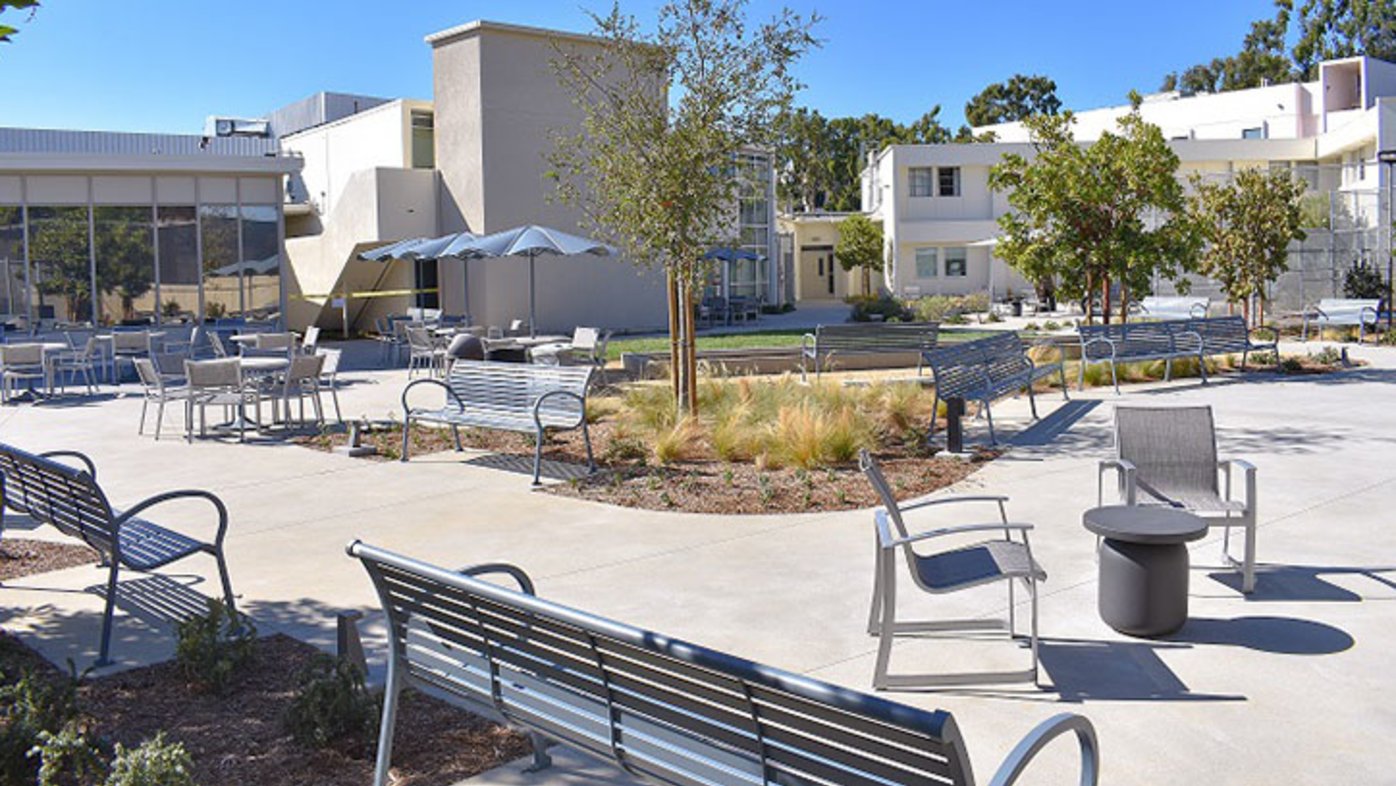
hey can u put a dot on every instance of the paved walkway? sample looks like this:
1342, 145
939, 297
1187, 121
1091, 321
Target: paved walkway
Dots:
1291, 684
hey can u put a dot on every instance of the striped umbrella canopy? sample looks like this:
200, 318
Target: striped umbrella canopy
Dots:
530, 241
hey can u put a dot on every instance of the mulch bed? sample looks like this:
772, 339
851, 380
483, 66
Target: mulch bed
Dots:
692, 486
27, 557
239, 738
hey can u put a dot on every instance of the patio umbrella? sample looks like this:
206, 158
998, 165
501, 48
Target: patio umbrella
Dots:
530, 241
727, 255
429, 248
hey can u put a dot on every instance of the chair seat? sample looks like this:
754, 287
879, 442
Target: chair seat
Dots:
978, 564
145, 546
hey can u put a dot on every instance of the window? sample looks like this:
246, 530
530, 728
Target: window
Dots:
125, 265
949, 179
955, 262
1253, 133
926, 261
423, 140
177, 235
922, 178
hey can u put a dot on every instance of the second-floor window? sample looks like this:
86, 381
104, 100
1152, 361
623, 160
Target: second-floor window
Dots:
922, 181
949, 180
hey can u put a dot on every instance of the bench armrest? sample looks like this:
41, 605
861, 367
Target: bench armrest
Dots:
513, 571
86, 462
538, 403
1193, 336
1085, 345
450, 394
809, 345
1023, 753
168, 496
1125, 470
1366, 310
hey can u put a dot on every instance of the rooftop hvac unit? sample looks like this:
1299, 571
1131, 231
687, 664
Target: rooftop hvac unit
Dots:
235, 126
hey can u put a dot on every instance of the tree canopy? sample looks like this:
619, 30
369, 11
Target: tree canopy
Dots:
1015, 99
1085, 215
8, 30
657, 174
860, 245
1247, 223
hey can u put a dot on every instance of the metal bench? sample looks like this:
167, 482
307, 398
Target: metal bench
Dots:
69, 498
529, 399
664, 710
1342, 312
1135, 341
986, 369
865, 338
1174, 307
1231, 336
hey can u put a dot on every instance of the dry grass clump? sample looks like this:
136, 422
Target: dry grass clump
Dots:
777, 423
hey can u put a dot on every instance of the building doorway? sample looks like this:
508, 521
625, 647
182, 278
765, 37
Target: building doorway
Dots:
820, 275
426, 283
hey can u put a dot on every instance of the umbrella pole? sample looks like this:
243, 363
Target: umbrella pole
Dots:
532, 309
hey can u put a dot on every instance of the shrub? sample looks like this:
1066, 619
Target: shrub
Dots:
212, 648
680, 442
807, 437
1388, 338
32, 705
1051, 325
333, 702
1328, 356
1031, 326
1291, 365
68, 757
956, 319
154, 762
974, 303
865, 307
994, 317
1364, 282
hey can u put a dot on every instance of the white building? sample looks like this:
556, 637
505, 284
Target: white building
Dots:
940, 217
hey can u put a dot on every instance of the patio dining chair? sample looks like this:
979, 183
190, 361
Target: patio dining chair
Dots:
21, 363
329, 377
951, 569
216, 383
127, 345
1170, 455
311, 340
69, 363
300, 381
215, 342
424, 352
156, 390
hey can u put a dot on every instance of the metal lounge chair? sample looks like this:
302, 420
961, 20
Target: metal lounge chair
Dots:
954, 569
1170, 454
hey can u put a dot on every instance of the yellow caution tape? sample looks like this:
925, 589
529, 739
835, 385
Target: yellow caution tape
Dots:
365, 295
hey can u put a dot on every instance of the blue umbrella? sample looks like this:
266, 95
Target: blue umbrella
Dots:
530, 241
729, 254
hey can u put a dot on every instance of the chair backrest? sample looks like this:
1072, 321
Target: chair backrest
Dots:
1173, 448
677, 712
216, 374
873, 472
54, 493
220, 350
148, 375
585, 338
304, 368
19, 355
169, 364
311, 339
330, 367
517, 326
130, 341
273, 341
419, 338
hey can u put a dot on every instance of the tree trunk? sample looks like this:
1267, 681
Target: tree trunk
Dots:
672, 285
1105, 299
1090, 293
1124, 304
688, 386
867, 280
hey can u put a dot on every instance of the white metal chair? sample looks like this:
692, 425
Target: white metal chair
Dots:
951, 570
329, 377
216, 383
1170, 454
311, 340
67, 364
215, 342
156, 391
21, 363
424, 352
300, 381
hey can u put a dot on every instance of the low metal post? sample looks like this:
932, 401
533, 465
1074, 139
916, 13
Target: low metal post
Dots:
954, 428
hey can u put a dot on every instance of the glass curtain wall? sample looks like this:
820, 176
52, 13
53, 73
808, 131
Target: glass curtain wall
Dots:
223, 294
11, 262
178, 236
125, 245
261, 268
748, 276
61, 276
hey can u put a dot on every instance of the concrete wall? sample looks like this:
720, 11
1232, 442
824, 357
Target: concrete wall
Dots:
336, 151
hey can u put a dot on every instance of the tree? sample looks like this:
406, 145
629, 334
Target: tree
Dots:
6, 30
860, 246
1330, 29
1016, 99
1083, 216
804, 172
659, 178
1247, 224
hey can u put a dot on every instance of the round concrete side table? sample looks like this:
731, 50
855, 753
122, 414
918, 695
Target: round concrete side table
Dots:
1144, 566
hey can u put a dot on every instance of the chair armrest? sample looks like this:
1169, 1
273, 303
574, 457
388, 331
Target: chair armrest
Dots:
87, 462
1023, 753
181, 494
451, 394
927, 501
887, 541
1125, 470
1242, 464
513, 571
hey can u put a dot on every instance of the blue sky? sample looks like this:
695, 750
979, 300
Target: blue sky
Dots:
163, 65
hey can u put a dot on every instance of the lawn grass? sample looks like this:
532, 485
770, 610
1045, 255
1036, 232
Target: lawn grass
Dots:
765, 339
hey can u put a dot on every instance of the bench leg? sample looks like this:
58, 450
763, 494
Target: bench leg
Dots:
1167, 369
1061, 370
1202, 367
104, 652
1032, 401
586, 440
989, 416
391, 691
406, 431
227, 585
455, 434
541, 759
1114, 377
538, 457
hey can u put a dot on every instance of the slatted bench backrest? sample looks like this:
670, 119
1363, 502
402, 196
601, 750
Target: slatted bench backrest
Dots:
1347, 306
1223, 335
670, 711
1133, 339
1175, 304
973, 368
516, 387
53, 493
869, 337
